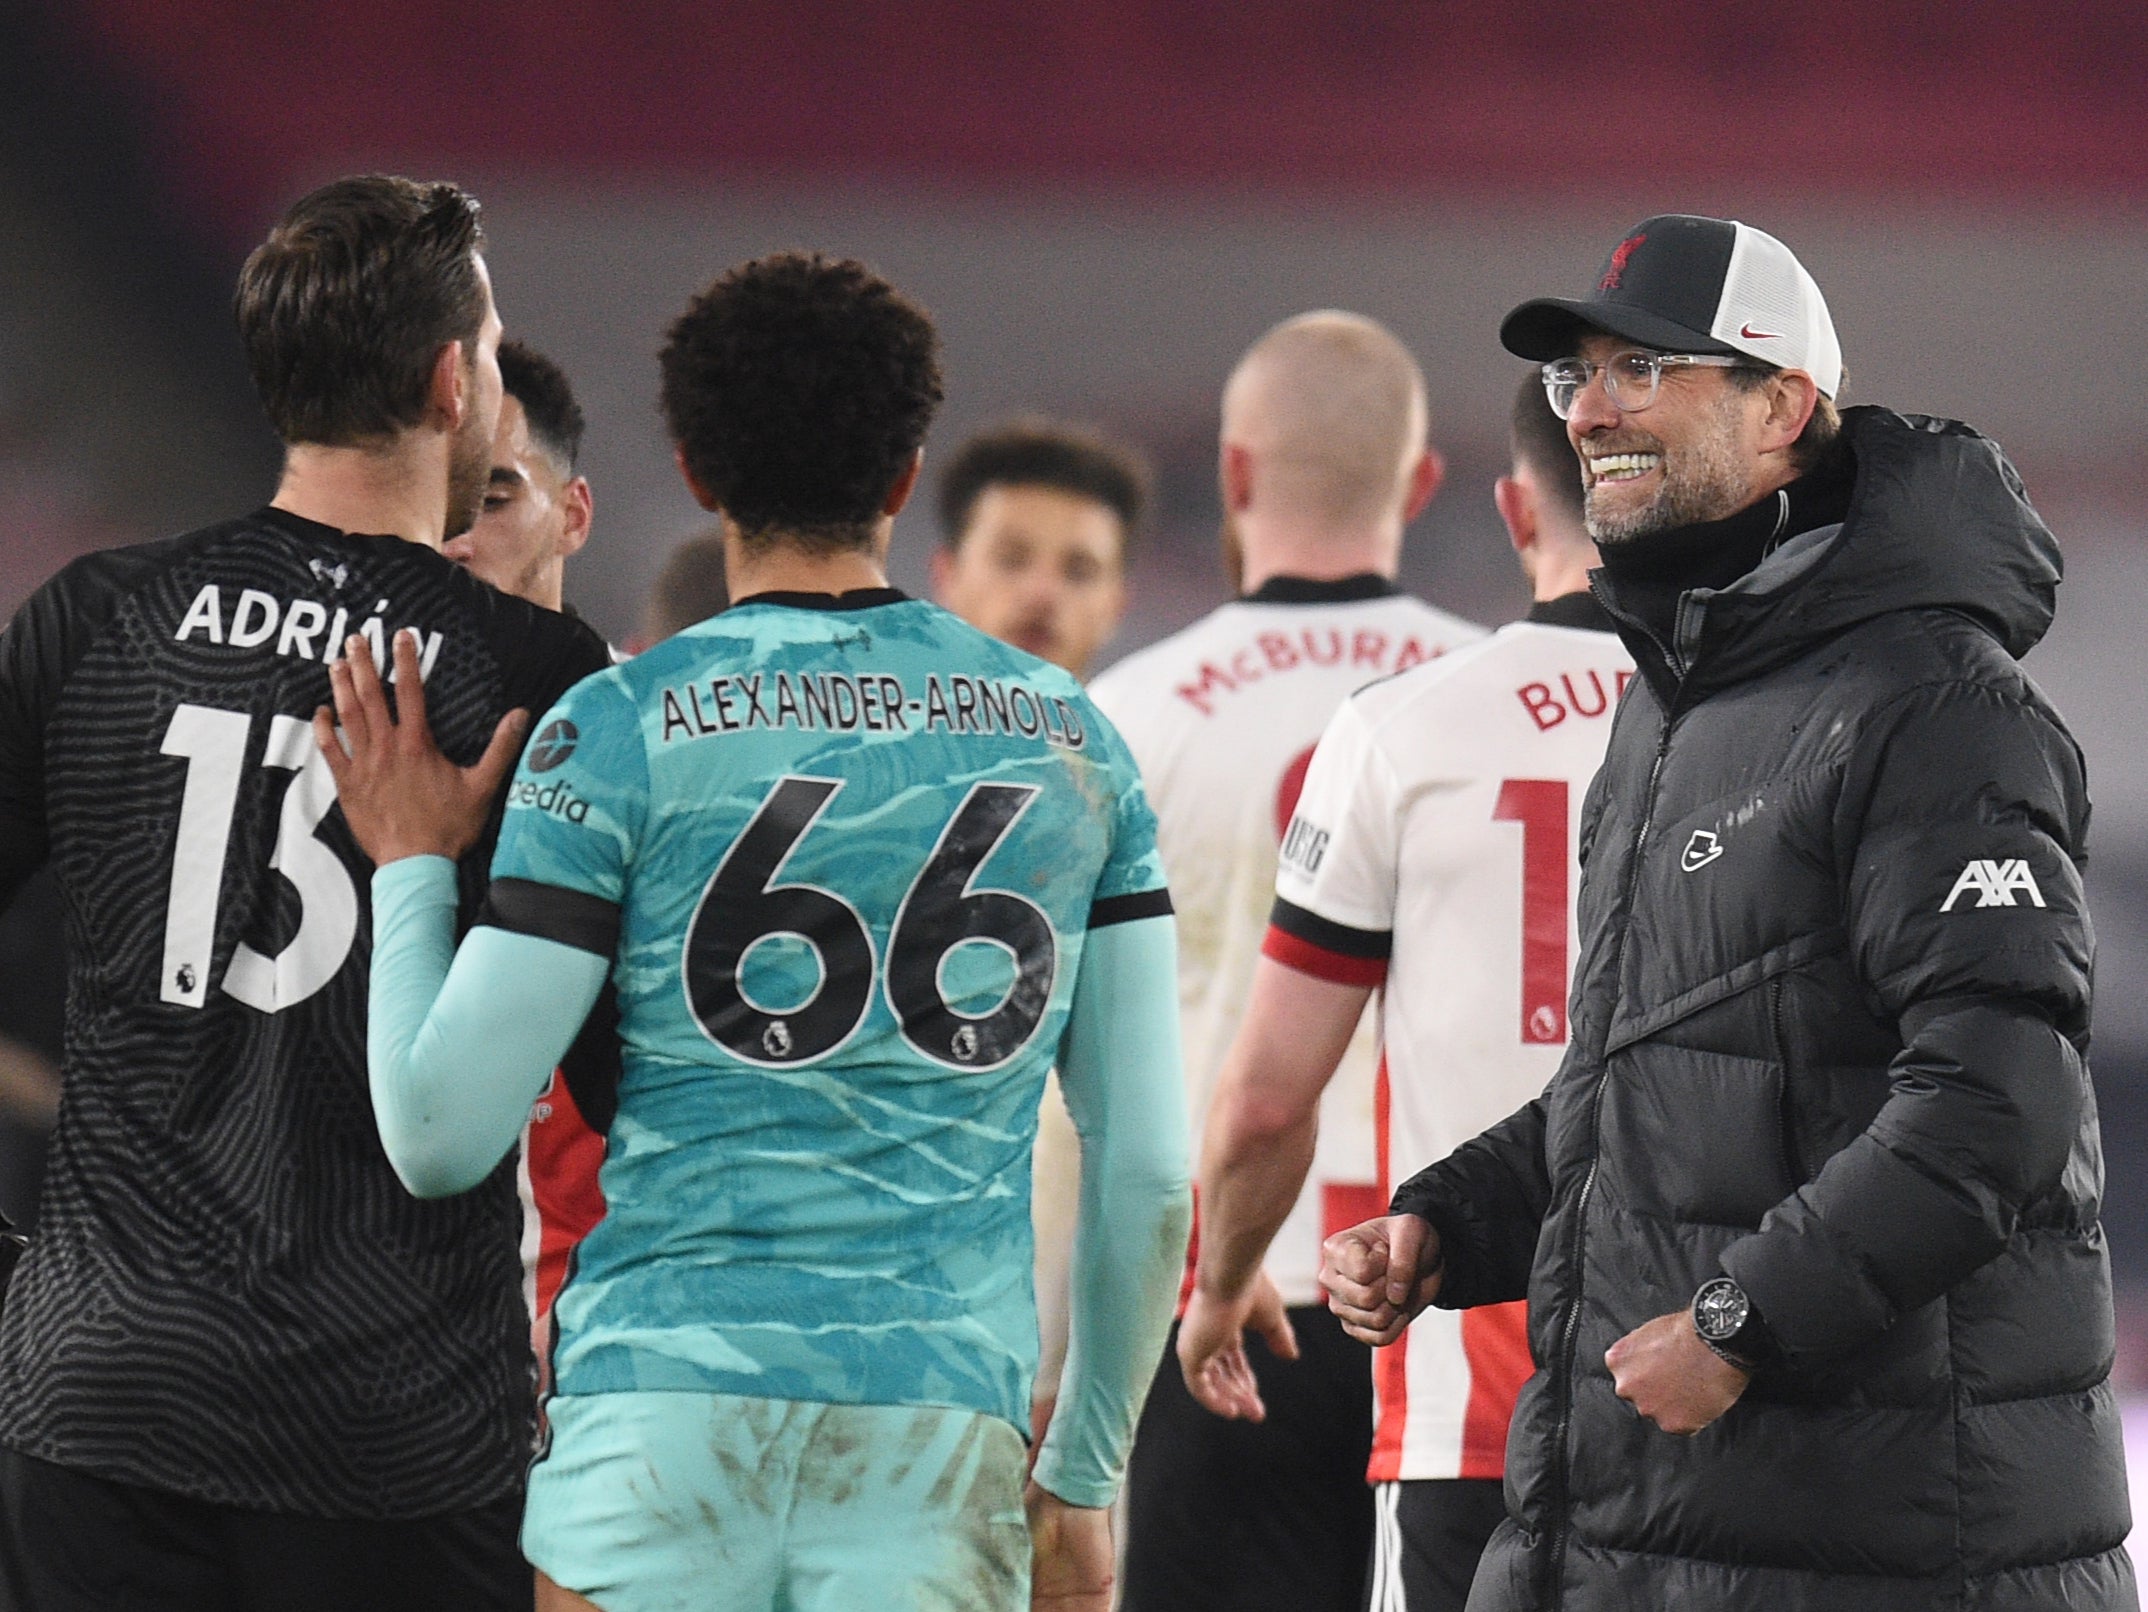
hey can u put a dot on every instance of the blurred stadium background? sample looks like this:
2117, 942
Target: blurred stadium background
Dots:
1103, 204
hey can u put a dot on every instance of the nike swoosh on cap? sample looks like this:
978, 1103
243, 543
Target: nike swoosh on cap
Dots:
1750, 334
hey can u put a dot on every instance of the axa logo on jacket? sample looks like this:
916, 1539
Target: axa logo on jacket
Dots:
1995, 883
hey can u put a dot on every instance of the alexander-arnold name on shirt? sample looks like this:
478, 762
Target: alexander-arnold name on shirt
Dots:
868, 702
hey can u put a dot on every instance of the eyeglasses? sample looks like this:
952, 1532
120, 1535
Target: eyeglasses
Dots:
1631, 379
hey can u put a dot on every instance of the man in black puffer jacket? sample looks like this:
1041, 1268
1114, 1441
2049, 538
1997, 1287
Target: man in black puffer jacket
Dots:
1818, 1181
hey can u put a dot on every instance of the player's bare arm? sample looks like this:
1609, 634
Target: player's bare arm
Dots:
399, 794
1256, 1151
1380, 1274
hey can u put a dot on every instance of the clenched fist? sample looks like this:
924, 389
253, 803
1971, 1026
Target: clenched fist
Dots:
1664, 1371
1380, 1274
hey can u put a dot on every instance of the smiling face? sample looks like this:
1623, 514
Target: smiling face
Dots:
1693, 455
1040, 568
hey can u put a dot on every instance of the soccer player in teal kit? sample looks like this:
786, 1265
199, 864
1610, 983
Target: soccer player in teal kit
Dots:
860, 875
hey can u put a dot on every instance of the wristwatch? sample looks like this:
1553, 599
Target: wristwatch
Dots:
1725, 1320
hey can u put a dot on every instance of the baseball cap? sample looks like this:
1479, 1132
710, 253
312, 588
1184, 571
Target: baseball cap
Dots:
1684, 284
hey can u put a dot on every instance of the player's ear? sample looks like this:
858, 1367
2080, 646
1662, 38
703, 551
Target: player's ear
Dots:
1234, 477
1516, 503
905, 485
1425, 478
448, 387
579, 505
1792, 396
702, 496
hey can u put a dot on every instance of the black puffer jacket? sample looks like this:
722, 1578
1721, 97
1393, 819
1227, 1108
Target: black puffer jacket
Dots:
1830, 1019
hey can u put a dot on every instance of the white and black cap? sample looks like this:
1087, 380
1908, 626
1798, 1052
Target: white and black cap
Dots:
1692, 285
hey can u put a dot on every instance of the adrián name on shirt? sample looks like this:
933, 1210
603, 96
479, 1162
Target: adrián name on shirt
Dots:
1271, 654
303, 629
871, 702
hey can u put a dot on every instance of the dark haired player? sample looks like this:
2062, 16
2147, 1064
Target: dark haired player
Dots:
537, 509
862, 874
1034, 522
240, 1367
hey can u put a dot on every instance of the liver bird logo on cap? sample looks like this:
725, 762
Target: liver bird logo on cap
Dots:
1617, 270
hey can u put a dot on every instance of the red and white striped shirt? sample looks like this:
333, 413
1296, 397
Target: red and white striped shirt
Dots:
1222, 718
1433, 855
561, 1200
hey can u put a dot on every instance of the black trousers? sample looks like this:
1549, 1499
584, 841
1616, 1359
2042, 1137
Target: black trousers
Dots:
70, 1542
1427, 1536
1244, 1518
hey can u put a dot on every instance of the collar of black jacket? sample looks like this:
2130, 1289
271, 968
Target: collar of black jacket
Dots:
1936, 519
1653, 571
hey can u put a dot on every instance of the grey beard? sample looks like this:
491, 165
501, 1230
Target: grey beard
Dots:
1673, 507
1705, 484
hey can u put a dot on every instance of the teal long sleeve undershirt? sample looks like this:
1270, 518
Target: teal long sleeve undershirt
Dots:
461, 1041
1119, 1067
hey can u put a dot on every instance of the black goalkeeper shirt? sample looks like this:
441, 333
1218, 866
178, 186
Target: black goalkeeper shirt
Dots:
229, 1295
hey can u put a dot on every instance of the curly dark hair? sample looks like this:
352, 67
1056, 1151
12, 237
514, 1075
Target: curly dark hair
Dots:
345, 306
797, 388
547, 400
1036, 452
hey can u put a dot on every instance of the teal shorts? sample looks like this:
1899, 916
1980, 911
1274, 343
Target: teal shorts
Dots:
681, 1502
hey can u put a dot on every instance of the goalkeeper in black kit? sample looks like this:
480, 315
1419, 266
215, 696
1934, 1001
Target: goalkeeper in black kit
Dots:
240, 1366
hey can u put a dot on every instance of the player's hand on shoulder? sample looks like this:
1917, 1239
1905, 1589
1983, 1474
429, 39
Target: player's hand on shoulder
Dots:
1380, 1273
1072, 1562
1212, 1347
399, 794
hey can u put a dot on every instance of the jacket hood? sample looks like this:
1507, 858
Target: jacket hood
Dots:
1937, 520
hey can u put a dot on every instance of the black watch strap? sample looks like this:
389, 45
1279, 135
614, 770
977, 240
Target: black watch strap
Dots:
1728, 1322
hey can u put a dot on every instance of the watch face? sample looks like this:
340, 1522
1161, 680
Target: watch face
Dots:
1720, 1309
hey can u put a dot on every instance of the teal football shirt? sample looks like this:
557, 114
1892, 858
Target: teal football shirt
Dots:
852, 849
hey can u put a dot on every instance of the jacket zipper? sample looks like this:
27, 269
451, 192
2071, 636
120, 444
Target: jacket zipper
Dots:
1572, 1329
1673, 665
1685, 631
1787, 1114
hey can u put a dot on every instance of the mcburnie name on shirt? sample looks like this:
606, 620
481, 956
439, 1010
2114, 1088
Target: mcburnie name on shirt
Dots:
871, 702
1271, 654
